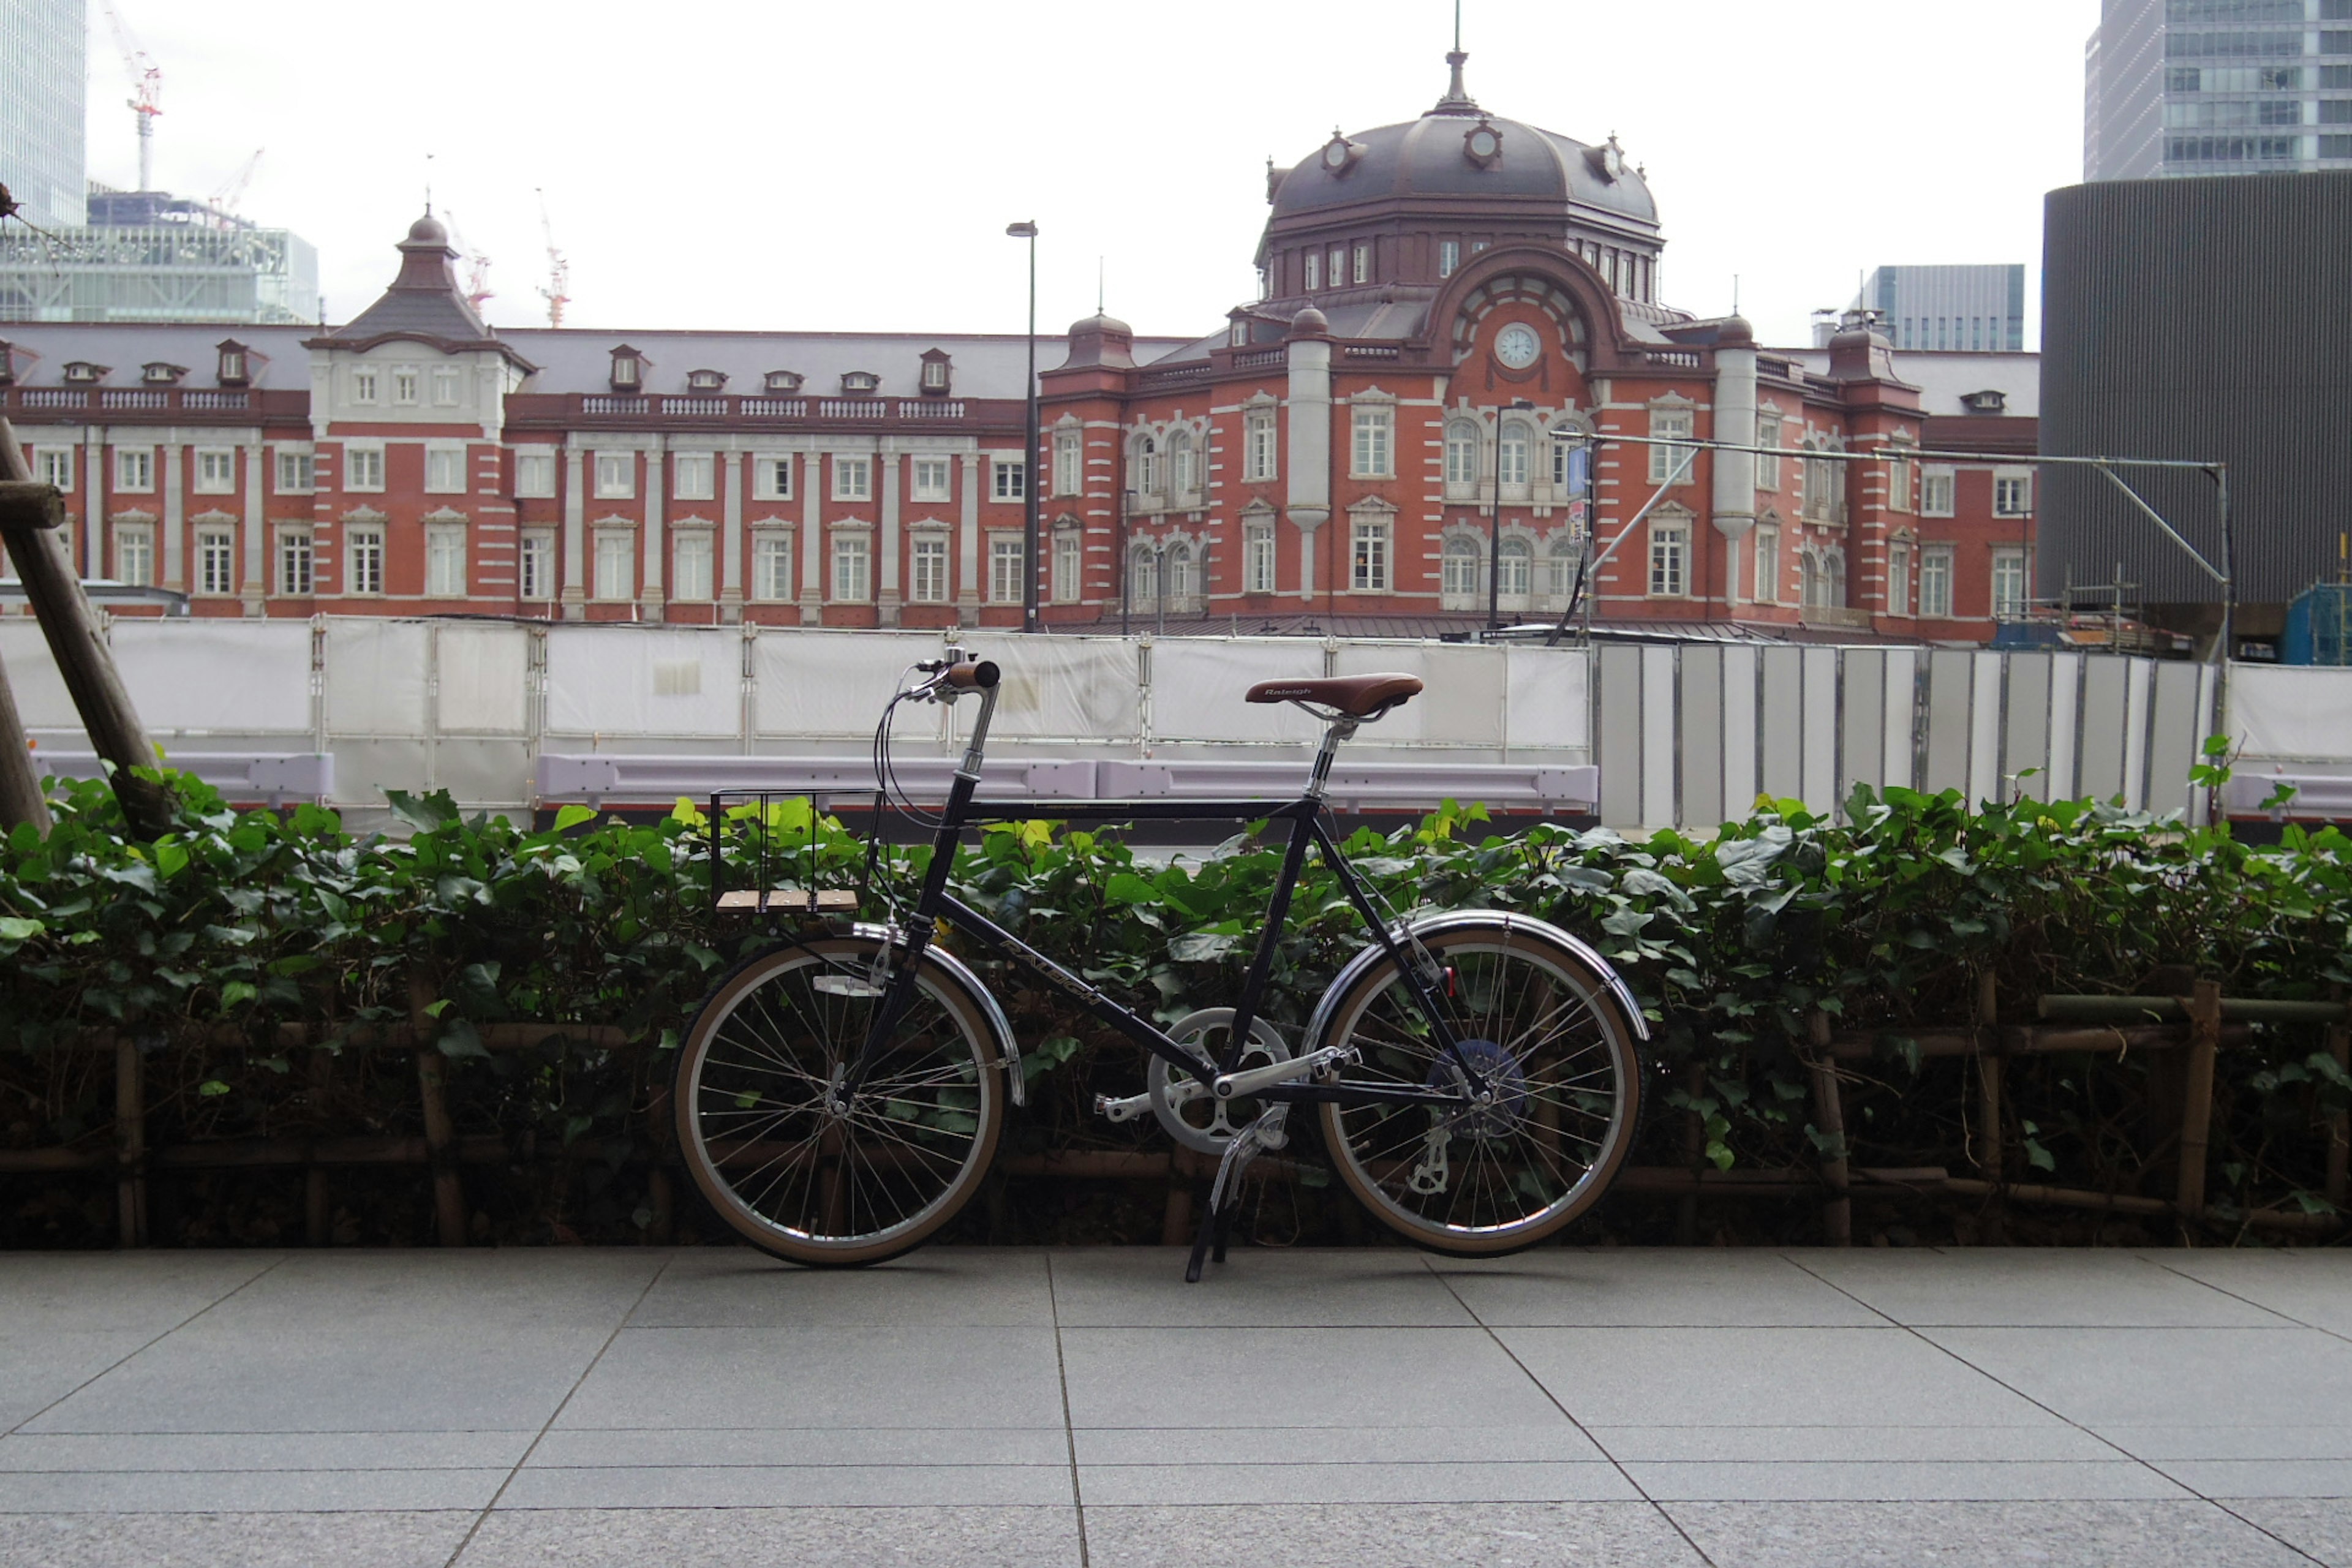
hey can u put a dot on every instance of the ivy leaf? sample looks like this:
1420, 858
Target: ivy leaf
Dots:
570, 817
16, 928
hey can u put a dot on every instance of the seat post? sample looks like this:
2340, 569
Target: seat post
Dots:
1336, 731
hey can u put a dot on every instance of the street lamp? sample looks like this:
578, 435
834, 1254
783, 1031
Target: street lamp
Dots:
1494, 523
1028, 231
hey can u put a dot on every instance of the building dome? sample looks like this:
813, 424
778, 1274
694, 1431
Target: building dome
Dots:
428, 230
1445, 155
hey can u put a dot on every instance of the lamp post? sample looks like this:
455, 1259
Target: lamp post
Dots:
1028, 231
1494, 523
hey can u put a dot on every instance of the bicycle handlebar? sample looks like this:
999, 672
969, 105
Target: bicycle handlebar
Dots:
982, 674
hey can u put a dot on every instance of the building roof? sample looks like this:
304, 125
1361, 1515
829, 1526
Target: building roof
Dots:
276, 358
983, 365
1944, 378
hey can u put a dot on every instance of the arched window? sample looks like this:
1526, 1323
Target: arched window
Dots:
1833, 578
1565, 552
1458, 571
1180, 458
1461, 457
1808, 580
1147, 466
1184, 582
1512, 457
1143, 576
1515, 568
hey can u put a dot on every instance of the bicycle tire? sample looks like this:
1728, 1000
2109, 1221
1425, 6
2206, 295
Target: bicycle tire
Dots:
1527, 1171
785, 1173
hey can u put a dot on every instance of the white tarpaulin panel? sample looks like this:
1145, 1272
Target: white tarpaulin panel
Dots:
820, 685
484, 674
651, 681
1197, 686
1064, 688
1549, 707
2292, 715
42, 701
216, 676
376, 673
1462, 698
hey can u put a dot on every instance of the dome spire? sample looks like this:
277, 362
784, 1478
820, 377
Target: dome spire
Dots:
1457, 99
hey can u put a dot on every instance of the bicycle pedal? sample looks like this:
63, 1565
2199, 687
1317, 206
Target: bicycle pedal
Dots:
1126, 1109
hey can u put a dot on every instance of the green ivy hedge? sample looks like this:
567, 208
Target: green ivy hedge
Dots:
199, 943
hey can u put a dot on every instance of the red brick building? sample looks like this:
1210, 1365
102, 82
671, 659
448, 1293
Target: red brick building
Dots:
1438, 296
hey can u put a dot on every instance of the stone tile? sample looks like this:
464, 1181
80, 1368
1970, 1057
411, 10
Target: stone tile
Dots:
1977, 1534
1763, 1377
2031, 1287
142, 1292
265, 1451
1648, 1288
240, 1491
1874, 1481
2263, 1478
1359, 1378
737, 1287
793, 1485
2307, 1284
405, 1289
1113, 1485
2320, 1526
1555, 1441
1040, 1537
1254, 1288
2168, 1377
36, 1370
823, 1377
350, 1539
2053, 1442
2198, 1442
1388, 1535
805, 1446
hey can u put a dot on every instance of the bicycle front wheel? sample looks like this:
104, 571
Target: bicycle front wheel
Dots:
1542, 1029
793, 1177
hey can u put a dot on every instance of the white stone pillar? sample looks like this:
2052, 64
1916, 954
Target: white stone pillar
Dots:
1308, 452
93, 511
175, 482
887, 597
655, 571
575, 534
254, 589
729, 565
1734, 500
968, 544
812, 538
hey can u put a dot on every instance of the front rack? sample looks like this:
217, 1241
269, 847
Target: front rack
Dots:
779, 878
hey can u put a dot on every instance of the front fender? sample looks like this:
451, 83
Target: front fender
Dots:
1000, 1026
1454, 919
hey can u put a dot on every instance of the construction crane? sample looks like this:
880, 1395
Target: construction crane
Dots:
146, 87
224, 200
477, 265
557, 290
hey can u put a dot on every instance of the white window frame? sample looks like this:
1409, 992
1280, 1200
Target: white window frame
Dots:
694, 475
134, 470
934, 479
772, 565
1461, 571
1314, 278
1143, 573
298, 562
1257, 558
450, 459
852, 574
693, 566
613, 565
1181, 573
407, 385
1069, 565
363, 564
1670, 565
1939, 490
615, 475
1514, 456
927, 568
1768, 565
1374, 445
1006, 559
366, 384
535, 566
363, 468
1183, 464
1361, 267
1069, 462
1449, 258
853, 479
772, 476
1515, 586
2012, 492
448, 386
1898, 484
1465, 444
134, 553
215, 573
1371, 554
1898, 578
1008, 479
1938, 568
298, 472
1674, 464
216, 472
1146, 465
534, 474
55, 466
1260, 457
2010, 560
1768, 433
444, 560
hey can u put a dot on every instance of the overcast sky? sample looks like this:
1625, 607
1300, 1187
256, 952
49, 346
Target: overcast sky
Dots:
852, 167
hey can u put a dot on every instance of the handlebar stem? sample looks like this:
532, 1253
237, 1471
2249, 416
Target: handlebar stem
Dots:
978, 744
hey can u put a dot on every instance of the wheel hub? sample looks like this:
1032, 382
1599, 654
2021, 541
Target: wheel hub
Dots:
1496, 1111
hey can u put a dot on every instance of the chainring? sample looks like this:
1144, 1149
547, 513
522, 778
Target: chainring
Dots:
1192, 1116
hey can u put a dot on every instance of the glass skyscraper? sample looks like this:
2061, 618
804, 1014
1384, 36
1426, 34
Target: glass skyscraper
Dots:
42, 48
2217, 87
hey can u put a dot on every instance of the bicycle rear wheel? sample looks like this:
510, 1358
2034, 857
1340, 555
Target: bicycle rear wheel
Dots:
1542, 1029
791, 1176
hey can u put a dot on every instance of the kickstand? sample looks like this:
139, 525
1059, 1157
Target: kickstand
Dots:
1210, 1233
1225, 1196
1224, 1230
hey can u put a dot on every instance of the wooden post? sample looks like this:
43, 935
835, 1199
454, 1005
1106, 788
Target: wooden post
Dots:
2339, 1136
1829, 1115
317, 1215
1693, 1155
2196, 1108
440, 1132
22, 505
54, 590
130, 1144
1991, 1156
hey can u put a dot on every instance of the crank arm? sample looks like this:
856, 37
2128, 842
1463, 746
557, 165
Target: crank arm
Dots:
1127, 1110
1250, 1079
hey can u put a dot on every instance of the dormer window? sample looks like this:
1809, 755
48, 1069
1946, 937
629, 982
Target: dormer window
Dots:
860, 382
938, 373
231, 370
8, 364
156, 372
1986, 402
82, 372
781, 381
706, 381
628, 369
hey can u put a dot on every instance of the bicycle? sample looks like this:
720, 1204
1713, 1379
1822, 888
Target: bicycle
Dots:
838, 1097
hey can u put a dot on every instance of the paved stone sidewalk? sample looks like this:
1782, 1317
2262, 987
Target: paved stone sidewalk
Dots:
1367, 1408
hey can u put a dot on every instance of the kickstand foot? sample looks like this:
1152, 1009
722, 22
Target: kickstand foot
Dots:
1223, 1222
1201, 1249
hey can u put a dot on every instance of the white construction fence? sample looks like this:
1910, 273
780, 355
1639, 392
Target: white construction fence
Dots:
510, 716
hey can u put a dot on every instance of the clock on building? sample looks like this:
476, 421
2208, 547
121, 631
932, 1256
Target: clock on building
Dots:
1517, 345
